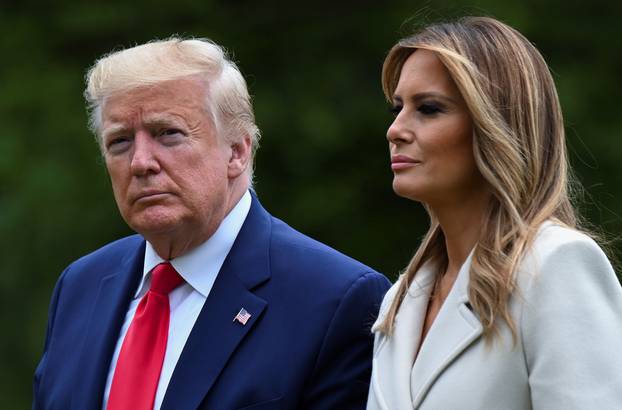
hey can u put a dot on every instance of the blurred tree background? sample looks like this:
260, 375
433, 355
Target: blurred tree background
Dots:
314, 71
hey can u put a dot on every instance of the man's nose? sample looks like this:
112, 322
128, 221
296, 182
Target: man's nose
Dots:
144, 157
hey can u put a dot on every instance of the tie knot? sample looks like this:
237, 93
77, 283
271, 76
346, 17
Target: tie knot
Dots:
164, 278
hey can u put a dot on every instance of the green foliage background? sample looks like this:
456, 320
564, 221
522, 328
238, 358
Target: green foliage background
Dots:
313, 68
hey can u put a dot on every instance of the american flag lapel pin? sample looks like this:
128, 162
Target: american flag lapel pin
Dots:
242, 316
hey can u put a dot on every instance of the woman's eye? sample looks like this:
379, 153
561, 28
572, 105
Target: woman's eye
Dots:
395, 110
429, 109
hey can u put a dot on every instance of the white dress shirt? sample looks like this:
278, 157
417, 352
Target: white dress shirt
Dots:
199, 268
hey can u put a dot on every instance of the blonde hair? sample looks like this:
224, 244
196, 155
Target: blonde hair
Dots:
518, 145
227, 99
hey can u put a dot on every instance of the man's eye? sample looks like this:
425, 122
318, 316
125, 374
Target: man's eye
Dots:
169, 136
118, 145
168, 132
429, 109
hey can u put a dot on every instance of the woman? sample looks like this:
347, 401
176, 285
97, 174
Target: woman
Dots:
505, 304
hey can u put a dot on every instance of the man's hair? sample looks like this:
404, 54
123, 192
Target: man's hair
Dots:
227, 98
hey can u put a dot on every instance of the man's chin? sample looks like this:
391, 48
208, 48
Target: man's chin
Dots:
149, 225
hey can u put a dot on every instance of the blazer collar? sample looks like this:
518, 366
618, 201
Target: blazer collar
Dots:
249, 257
394, 355
109, 309
204, 356
454, 329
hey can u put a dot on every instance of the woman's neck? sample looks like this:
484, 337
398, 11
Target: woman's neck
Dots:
461, 223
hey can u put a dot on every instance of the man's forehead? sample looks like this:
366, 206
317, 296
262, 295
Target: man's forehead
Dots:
181, 90
116, 122
159, 102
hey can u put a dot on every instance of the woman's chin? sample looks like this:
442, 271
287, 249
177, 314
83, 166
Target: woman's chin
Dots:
408, 191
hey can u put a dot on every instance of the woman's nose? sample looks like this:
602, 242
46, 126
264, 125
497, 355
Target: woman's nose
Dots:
398, 131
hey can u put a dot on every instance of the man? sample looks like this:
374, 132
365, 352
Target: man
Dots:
215, 304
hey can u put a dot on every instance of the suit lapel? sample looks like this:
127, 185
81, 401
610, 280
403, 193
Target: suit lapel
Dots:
216, 335
113, 297
453, 330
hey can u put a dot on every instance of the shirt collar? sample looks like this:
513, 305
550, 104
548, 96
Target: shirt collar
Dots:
200, 266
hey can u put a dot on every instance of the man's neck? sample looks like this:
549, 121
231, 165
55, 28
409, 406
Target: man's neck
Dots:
175, 243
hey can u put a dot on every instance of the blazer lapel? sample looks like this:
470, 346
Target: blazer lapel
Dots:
216, 334
111, 301
453, 330
395, 354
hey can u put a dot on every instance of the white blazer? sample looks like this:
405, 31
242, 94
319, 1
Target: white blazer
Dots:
568, 353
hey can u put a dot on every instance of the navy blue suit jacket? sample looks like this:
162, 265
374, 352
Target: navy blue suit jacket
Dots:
307, 344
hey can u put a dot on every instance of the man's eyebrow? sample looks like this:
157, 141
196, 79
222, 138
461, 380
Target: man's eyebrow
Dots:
113, 129
162, 118
149, 120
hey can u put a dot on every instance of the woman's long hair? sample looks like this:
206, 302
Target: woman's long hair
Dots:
518, 145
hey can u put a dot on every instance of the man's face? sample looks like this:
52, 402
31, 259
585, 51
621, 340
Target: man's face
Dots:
171, 174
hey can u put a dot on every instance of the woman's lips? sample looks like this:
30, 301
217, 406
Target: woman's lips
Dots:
402, 161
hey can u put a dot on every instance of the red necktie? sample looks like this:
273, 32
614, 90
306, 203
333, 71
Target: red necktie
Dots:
137, 373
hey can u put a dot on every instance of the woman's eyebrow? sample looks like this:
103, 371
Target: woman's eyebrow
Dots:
434, 95
426, 95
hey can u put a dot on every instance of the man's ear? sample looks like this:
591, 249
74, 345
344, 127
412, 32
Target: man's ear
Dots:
240, 156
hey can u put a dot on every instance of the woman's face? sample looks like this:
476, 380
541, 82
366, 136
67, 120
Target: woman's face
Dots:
431, 138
